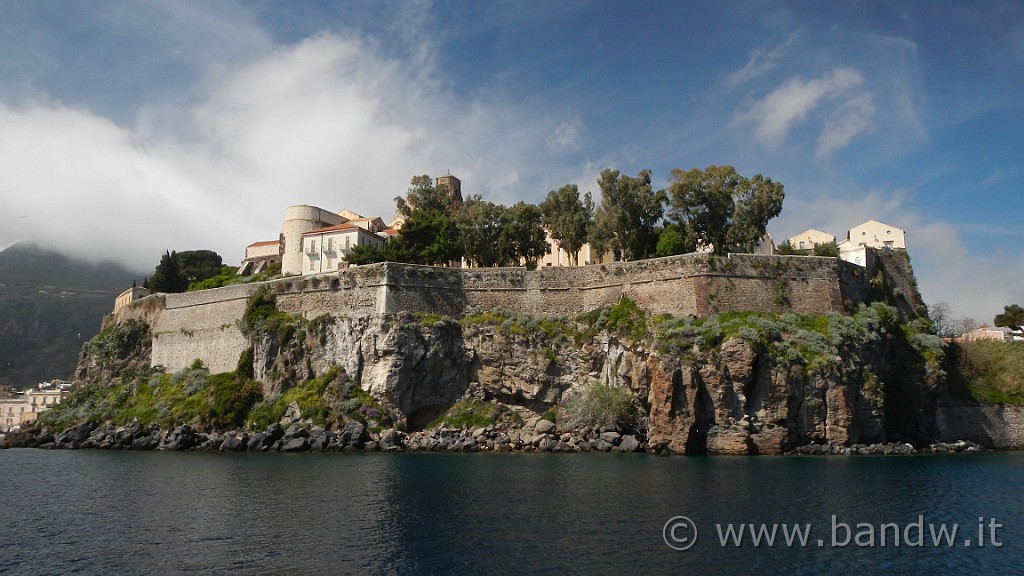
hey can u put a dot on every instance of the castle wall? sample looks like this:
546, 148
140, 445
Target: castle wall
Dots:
204, 324
1000, 426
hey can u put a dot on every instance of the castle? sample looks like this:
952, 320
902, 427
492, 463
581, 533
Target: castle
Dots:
313, 244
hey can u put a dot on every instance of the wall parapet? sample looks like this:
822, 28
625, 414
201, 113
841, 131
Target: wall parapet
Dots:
203, 324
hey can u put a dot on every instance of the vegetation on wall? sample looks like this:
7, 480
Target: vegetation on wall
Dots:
599, 405
987, 371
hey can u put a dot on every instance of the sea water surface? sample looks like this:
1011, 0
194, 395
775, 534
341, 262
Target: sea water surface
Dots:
109, 512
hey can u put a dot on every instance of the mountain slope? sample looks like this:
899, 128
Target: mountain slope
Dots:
49, 306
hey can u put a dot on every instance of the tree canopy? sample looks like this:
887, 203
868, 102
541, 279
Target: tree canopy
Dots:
424, 196
718, 208
568, 218
177, 270
1013, 315
627, 215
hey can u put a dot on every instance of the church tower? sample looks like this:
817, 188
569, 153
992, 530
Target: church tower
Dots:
454, 186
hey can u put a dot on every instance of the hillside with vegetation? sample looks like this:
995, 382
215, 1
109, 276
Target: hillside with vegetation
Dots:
50, 305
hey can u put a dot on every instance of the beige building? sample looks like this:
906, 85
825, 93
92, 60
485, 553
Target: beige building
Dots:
18, 409
986, 333
260, 255
128, 296
324, 249
808, 239
875, 234
555, 255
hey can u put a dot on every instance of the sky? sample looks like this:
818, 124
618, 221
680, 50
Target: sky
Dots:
128, 128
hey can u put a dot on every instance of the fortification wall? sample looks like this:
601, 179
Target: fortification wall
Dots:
204, 324
998, 426
201, 325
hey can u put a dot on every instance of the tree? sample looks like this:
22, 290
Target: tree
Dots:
198, 265
941, 315
827, 249
522, 235
167, 277
625, 219
429, 234
365, 254
568, 218
423, 195
479, 223
178, 270
670, 242
963, 325
427, 237
1012, 315
718, 208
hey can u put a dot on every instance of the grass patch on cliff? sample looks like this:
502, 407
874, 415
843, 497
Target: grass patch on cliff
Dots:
470, 413
625, 319
988, 372
190, 396
601, 405
552, 329
329, 400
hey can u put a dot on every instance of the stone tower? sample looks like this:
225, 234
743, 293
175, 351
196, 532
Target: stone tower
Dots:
454, 186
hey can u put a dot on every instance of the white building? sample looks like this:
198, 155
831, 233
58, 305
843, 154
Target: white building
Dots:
297, 221
23, 408
875, 234
324, 249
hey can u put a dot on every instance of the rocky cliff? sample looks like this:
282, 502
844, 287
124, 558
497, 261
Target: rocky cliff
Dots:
740, 383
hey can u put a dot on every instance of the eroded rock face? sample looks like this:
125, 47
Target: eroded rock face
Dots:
737, 399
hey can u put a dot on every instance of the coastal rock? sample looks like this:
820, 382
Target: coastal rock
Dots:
629, 443
295, 444
544, 427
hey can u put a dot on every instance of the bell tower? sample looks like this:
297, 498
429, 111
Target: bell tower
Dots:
454, 186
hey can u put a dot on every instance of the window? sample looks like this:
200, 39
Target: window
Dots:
311, 266
347, 242
801, 245
312, 246
330, 245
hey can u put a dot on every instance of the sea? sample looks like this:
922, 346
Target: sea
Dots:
112, 512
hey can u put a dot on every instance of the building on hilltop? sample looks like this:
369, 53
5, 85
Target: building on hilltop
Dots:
260, 255
871, 234
875, 234
808, 239
297, 221
128, 296
324, 249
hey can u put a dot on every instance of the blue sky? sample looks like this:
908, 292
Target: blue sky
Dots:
134, 127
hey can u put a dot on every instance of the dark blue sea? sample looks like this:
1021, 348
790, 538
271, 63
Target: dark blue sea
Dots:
107, 512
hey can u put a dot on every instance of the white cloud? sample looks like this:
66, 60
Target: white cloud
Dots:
853, 117
761, 61
329, 121
775, 115
567, 136
948, 268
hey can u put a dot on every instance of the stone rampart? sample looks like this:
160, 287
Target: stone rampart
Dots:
999, 426
204, 324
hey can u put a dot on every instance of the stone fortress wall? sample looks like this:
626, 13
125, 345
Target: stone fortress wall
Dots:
204, 324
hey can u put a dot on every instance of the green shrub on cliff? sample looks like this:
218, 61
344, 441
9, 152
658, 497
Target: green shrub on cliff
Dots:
601, 405
625, 319
987, 371
468, 413
118, 341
